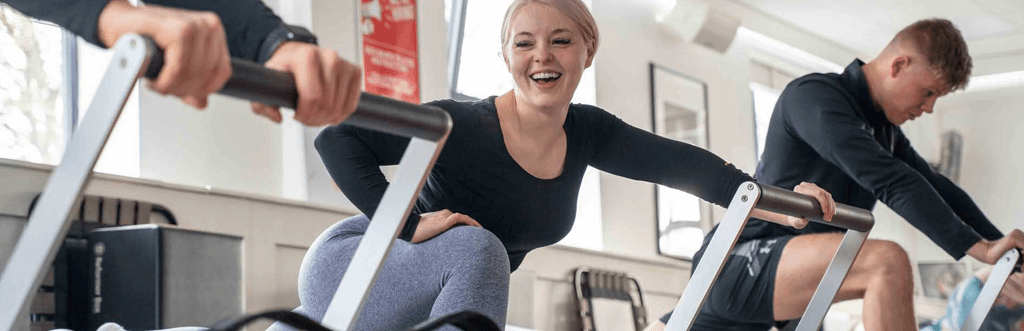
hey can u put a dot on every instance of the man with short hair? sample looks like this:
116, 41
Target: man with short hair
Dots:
841, 132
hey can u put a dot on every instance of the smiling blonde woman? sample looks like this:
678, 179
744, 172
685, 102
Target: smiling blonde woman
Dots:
510, 174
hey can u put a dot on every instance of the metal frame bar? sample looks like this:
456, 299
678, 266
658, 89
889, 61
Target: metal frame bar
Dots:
714, 258
987, 298
858, 223
39, 241
137, 56
456, 31
381, 234
836, 272
69, 44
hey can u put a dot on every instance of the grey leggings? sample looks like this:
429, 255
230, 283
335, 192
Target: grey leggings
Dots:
464, 268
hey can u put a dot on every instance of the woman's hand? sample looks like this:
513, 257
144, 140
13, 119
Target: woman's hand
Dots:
828, 207
433, 224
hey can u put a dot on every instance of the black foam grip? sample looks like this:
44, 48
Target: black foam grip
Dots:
787, 202
253, 82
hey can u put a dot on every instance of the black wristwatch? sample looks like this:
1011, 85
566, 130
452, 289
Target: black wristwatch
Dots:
280, 35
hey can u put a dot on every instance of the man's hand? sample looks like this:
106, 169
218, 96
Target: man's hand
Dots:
328, 85
433, 224
990, 251
196, 58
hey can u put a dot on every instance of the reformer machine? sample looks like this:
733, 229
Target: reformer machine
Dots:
135, 57
428, 127
856, 221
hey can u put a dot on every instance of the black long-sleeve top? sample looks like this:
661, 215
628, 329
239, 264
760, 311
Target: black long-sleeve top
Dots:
827, 130
246, 22
476, 176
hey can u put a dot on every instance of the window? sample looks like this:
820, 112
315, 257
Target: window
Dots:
32, 85
477, 71
766, 84
773, 65
764, 104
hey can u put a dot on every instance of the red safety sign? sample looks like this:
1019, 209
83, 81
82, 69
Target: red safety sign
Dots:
390, 53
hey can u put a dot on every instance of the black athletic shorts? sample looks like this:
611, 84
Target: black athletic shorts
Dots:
742, 297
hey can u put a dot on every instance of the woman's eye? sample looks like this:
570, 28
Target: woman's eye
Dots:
523, 44
562, 41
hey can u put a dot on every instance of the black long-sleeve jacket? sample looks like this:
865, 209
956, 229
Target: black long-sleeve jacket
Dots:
246, 22
827, 130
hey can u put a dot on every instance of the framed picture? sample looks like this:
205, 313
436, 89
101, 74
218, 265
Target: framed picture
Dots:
679, 111
939, 279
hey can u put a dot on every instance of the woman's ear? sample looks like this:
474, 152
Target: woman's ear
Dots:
505, 58
591, 49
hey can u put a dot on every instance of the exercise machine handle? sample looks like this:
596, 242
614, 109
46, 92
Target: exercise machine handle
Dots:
787, 202
253, 82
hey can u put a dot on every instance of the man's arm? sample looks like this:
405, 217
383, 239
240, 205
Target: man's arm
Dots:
823, 118
953, 195
78, 16
246, 22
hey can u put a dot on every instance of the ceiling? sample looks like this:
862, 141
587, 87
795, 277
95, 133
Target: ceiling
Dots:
994, 29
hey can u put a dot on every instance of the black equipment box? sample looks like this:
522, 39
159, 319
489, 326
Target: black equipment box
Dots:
155, 277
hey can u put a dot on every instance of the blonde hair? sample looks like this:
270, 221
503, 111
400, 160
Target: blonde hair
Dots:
574, 9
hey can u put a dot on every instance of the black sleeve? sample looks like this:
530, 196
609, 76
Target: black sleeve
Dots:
353, 157
953, 195
824, 119
78, 16
624, 150
246, 22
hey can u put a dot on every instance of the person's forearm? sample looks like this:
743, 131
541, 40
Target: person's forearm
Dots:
78, 16
770, 216
118, 18
246, 22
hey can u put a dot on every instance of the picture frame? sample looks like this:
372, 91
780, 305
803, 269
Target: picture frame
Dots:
679, 111
939, 279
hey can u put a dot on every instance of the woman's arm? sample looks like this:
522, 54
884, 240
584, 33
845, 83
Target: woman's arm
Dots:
627, 151
353, 157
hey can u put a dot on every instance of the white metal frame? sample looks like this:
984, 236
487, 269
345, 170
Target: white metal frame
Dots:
41, 238
987, 298
381, 234
49, 223
718, 250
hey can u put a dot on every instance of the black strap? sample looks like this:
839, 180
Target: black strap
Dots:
293, 319
465, 320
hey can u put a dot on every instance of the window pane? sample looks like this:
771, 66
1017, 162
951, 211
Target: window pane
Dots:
764, 104
482, 71
586, 231
31, 82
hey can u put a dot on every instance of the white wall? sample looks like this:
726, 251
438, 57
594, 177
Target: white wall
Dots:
992, 169
226, 146
631, 39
